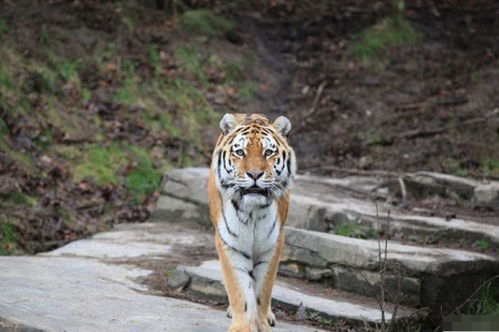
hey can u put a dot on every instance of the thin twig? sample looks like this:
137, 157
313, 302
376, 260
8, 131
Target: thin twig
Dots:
318, 94
404, 192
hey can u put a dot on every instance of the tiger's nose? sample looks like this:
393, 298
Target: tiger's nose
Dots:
255, 175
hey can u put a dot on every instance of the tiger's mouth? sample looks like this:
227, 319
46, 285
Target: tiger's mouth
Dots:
255, 190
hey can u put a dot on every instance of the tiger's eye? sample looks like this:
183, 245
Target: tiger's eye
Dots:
240, 153
268, 153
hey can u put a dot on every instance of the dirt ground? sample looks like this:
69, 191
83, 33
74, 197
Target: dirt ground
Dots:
428, 106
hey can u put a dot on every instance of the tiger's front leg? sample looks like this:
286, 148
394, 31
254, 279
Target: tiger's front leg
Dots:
265, 270
239, 283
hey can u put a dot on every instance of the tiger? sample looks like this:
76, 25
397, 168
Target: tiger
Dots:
251, 172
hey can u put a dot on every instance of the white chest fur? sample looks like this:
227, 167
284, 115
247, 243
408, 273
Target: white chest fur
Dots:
251, 230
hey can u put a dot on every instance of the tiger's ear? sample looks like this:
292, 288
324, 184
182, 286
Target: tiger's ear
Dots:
227, 123
283, 125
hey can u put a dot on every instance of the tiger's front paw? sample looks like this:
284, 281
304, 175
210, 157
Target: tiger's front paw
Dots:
271, 318
251, 326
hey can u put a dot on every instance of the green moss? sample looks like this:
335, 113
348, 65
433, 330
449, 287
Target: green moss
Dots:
6, 81
390, 31
101, 163
86, 95
23, 160
154, 59
234, 71
247, 91
68, 69
487, 301
47, 80
205, 23
482, 245
144, 178
350, 230
4, 130
191, 61
491, 166
9, 237
127, 94
461, 172
4, 28
20, 198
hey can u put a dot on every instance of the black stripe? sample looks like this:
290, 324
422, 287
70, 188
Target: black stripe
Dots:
283, 155
264, 206
223, 159
262, 217
273, 226
223, 214
235, 204
258, 263
288, 165
227, 226
240, 252
251, 274
219, 163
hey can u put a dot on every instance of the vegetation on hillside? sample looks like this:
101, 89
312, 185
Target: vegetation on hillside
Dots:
91, 119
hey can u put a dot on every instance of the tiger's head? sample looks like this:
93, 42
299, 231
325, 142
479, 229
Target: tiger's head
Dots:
252, 159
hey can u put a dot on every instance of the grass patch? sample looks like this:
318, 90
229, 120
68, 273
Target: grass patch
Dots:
350, 230
482, 245
9, 237
107, 164
144, 179
491, 166
68, 69
205, 23
390, 31
101, 163
23, 160
154, 59
234, 71
247, 91
191, 61
46, 81
487, 301
4, 28
127, 93
20, 199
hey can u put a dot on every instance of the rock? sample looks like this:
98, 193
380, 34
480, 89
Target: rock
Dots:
363, 254
188, 184
178, 210
290, 270
481, 194
423, 184
290, 297
177, 279
399, 288
486, 195
95, 285
411, 271
321, 203
314, 274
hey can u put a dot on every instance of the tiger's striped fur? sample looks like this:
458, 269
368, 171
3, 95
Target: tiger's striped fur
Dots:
251, 172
